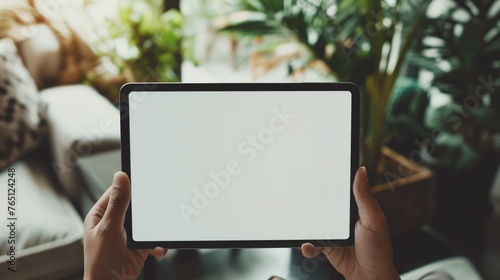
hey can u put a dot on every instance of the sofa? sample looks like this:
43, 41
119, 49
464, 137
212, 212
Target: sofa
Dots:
49, 186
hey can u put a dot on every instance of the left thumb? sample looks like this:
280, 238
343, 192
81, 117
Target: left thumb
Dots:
119, 199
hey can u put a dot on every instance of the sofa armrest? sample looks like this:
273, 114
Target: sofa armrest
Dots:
82, 123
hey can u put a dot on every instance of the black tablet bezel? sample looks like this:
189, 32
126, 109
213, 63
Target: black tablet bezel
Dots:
182, 87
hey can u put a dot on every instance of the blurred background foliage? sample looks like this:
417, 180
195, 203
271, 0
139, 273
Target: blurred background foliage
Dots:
461, 48
144, 44
373, 43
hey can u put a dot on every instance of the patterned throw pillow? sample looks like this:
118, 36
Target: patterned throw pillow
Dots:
22, 114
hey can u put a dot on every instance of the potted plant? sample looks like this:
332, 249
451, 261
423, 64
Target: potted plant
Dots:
462, 52
143, 45
365, 42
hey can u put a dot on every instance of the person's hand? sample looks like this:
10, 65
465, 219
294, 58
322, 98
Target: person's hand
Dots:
371, 255
105, 241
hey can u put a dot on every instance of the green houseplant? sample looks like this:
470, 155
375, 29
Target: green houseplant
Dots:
463, 54
461, 49
365, 42
144, 45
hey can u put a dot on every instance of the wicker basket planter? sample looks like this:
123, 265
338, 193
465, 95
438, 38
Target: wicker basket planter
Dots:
407, 198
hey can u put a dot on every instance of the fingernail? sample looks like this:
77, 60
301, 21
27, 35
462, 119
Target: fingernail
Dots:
365, 174
115, 178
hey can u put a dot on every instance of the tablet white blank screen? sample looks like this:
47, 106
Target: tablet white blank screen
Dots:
220, 166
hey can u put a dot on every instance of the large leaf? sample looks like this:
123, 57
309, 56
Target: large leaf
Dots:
256, 28
470, 46
453, 152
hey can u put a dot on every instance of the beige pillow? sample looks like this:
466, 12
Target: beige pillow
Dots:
23, 123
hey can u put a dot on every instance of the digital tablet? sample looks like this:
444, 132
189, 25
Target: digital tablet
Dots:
240, 165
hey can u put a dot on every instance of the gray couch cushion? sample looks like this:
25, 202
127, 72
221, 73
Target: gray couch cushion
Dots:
49, 231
